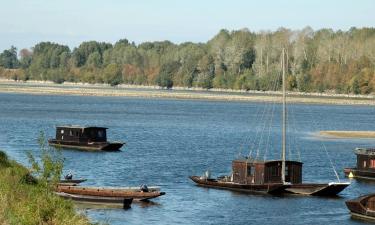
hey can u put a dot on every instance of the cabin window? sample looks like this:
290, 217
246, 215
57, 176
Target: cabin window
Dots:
372, 163
274, 171
364, 164
100, 134
62, 131
250, 171
287, 171
70, 132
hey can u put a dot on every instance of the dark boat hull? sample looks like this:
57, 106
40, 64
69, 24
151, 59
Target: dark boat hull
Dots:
251, 188
359, 207
331, 189
94, 146
107, 201
360, 174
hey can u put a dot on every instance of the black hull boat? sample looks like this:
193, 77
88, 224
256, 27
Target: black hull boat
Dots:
362, 207
83, 138
91, 146
330, 189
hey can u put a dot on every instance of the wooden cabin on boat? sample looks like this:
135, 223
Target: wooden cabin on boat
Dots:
362, 207
85, 138
247, 171
365, 164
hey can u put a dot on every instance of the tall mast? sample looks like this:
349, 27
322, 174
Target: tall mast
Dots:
284, 122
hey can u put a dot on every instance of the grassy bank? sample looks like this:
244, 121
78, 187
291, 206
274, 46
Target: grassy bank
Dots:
24, 200
347, 134
154, 92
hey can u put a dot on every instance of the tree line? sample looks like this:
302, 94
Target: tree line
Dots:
316, 61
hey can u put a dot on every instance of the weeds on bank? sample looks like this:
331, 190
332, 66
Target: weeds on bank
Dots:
26, 197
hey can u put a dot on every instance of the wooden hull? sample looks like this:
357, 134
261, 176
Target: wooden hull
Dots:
74, 181
362, 208
94, 146
110, 192
331, 189
97, 200
251, 188
359, 174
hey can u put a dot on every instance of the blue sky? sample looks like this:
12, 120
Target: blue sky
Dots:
26, 22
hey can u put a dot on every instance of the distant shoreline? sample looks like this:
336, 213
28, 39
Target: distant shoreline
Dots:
80, 89
347, 134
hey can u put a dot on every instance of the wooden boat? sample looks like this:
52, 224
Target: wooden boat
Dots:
365, 164
98, 200
83, 138
272, 176
362, 207
133, 192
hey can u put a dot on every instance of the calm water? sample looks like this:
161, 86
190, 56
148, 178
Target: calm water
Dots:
168, 140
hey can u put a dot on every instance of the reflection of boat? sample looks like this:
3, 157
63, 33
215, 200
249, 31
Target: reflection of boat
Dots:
84, 138
272, 176
362, 207
131, 192
365, 164
98, 200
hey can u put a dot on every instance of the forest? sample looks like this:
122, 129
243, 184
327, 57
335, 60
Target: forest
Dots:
316, 61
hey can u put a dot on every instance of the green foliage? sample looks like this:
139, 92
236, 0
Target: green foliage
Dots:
31, 203
49, 170
316, 61
8, 58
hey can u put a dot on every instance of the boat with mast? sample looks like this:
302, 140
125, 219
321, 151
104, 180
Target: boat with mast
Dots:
279, 176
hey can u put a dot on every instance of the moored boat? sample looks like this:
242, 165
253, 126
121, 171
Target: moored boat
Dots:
83, 138
362, 207
140, 194
279, 176
365, 164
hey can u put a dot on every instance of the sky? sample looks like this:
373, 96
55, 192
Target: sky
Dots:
24, 23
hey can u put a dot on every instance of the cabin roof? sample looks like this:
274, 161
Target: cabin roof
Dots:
263, 161
80, 127
365, 151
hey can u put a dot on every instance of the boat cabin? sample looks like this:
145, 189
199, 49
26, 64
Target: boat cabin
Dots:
81, 134
249, 171
365, 159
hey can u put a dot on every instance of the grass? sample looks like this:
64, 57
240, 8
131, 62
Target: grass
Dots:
348, 134
25, 200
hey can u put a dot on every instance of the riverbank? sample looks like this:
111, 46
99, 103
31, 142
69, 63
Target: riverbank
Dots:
347, 134
48, 88
24, 201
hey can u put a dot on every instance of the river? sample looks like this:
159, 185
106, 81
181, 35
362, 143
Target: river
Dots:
168, 140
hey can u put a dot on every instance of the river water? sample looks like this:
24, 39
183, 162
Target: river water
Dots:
169, 140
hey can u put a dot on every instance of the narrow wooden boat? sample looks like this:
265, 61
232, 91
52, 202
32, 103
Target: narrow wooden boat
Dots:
278, 176
365, 165
98, 200
83, 138
362, 207
135, 193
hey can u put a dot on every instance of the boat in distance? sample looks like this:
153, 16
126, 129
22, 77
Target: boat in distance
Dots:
88, 138
136, 193
365, 168
280, 176
362, 207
